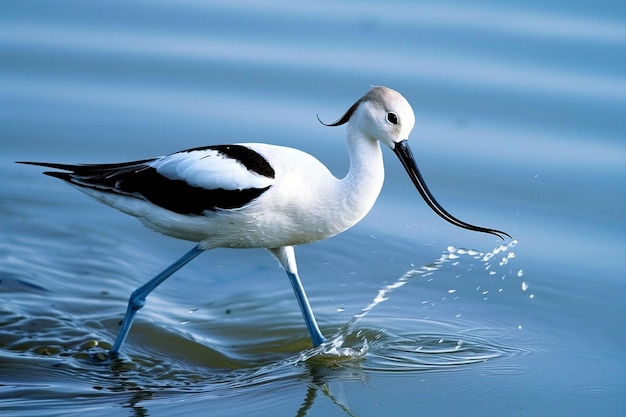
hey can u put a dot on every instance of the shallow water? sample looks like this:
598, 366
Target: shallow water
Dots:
520, 127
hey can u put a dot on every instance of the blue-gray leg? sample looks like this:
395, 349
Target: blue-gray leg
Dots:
138, 297
287, 258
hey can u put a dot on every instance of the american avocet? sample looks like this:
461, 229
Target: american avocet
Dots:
253, 195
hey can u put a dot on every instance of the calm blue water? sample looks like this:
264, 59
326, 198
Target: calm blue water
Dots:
520, 126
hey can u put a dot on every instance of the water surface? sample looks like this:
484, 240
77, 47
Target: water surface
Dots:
520, 126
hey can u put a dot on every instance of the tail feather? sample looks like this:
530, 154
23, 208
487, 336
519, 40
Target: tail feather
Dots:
65, 176
64, 167
89, 175
77, 168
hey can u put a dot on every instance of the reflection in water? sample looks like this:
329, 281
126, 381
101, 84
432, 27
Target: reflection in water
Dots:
318, 383
135, 400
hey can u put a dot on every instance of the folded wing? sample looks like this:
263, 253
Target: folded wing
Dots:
186, 182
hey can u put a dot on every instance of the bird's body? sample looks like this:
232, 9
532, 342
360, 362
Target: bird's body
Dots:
253, 195
209, 195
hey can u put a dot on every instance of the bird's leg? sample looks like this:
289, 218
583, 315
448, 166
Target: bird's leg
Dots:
311, 324
138, 297
287, 258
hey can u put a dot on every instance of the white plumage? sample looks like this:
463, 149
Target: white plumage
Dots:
210, 169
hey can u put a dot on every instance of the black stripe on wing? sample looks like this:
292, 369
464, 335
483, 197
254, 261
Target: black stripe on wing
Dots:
250, 159
138, 179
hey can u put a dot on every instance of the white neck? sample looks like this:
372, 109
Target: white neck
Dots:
360, 187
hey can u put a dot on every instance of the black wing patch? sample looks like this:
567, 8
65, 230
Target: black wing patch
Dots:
245, 156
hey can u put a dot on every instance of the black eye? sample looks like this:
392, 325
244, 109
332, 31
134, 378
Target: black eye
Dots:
392, 118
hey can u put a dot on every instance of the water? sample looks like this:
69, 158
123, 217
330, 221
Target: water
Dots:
520, 127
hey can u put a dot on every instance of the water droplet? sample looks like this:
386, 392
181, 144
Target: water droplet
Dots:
524, 286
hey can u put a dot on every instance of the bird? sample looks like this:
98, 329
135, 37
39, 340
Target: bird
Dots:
257, 195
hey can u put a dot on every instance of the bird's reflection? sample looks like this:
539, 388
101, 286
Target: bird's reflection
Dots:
318, 378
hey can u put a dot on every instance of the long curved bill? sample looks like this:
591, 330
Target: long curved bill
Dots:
404, 154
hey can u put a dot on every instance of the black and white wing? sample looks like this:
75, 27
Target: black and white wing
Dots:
187, 182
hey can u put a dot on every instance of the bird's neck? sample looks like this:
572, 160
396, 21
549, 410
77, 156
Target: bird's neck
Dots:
362, 184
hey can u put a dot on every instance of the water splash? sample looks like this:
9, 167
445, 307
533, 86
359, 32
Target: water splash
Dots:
450, 254
417, 352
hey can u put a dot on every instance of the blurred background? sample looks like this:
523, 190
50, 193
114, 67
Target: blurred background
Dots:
520, 126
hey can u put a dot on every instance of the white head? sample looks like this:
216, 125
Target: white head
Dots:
382, 114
